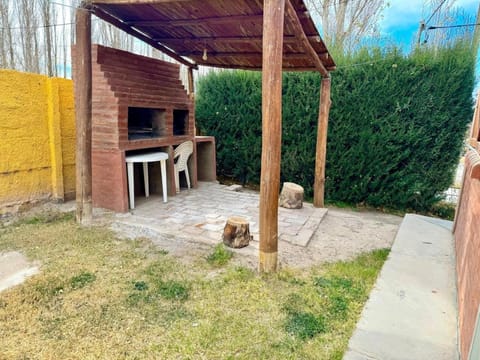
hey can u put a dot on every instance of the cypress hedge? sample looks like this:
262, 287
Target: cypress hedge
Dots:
396, 127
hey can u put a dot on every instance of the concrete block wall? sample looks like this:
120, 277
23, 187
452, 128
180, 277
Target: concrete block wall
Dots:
37, 151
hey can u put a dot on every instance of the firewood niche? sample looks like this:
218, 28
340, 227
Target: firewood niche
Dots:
138, 104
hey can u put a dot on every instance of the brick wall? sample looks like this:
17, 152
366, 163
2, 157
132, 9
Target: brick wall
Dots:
467, 241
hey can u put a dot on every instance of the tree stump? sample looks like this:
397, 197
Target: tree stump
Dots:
236, 233
291, 196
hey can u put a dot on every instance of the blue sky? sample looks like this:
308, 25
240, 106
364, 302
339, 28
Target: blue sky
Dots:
401, 19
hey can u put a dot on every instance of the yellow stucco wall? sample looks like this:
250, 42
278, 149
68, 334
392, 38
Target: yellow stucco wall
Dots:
67, 116
37, 128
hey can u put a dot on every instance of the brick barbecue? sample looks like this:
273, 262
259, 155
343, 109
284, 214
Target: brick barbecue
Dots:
138, 104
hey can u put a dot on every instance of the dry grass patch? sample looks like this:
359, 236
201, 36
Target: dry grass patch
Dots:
100, 297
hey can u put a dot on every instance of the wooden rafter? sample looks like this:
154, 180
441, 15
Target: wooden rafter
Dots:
132, 2
288, 39
121, 25
292, 14
169, 27
216, 20
222, 55
196, 22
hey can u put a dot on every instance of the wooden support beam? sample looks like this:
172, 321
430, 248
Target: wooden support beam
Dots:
131, 2
256, 68
191, 83
123, 26
288, 39
217, 20
273, 23
191, 94
83, 94
249, 55
295, 21
321, 154
214, 20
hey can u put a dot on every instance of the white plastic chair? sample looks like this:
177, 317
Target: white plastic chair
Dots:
181, 155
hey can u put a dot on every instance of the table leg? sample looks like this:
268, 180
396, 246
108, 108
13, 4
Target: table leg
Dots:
131, 187
163, 168
145, 179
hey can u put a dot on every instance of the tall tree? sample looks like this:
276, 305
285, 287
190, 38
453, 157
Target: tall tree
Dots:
7, 37
345, 23
440, 15
47, 26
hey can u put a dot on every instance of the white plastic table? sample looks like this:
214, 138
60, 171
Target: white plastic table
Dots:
145, 159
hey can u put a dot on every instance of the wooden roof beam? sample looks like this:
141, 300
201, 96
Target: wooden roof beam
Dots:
228, 39
216, 20
123, 26
217, 55
133, 2
256, 68
295, 21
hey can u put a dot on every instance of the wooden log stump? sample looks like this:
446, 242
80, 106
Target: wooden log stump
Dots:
236, 233
291, 196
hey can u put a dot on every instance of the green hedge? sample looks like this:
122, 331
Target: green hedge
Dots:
395, 132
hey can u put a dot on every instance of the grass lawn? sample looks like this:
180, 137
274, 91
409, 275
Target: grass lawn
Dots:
98, 297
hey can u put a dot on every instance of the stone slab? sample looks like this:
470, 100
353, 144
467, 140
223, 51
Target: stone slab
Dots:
14, 269
412, 313
211, 204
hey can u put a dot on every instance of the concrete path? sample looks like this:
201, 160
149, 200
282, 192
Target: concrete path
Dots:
14, 269
412, 312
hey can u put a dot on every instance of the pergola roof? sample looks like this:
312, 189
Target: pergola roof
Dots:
228, 32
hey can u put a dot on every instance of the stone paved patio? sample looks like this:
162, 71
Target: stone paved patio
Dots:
193, 221
202, 212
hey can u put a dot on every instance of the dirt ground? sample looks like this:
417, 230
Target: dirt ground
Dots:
342, 235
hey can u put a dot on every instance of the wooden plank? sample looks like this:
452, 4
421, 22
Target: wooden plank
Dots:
217, 20
273, 24
289, 39
295, 21
132, 2
123, 26
213, 20
321, 153
83, 93
286, 67
244, 55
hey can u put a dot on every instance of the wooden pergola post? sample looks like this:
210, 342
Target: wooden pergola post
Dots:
83, 89
191, 82
273, 22
321, 153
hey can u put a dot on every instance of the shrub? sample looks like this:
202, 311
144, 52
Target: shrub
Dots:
395, 131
